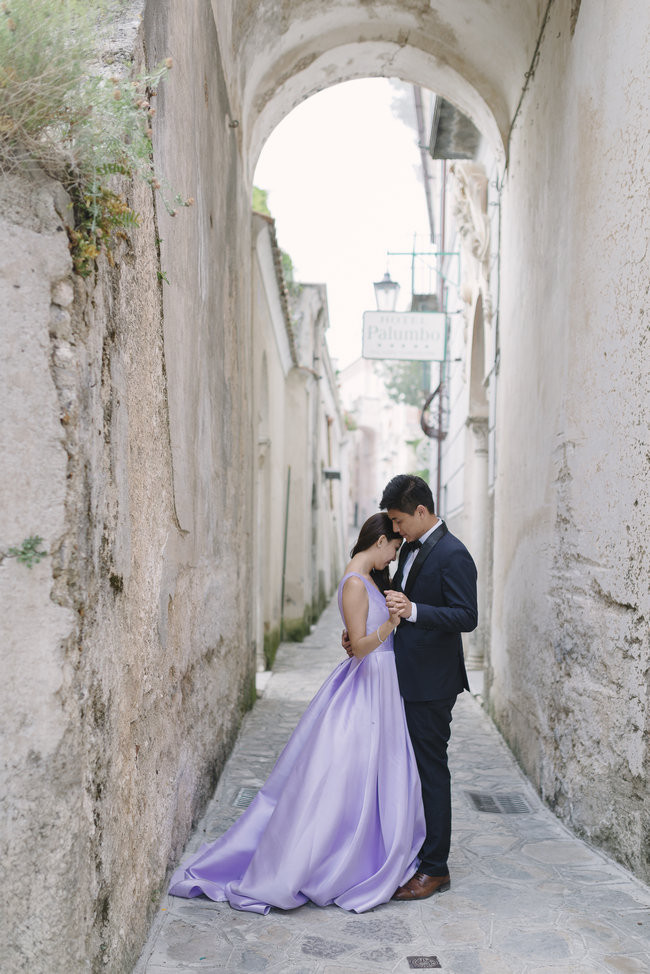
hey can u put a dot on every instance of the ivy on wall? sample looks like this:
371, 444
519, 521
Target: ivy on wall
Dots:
28, 553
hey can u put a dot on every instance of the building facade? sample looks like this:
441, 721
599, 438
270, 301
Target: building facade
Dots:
300, 482
384, 437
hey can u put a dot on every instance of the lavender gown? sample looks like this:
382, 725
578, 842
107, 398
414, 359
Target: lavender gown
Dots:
340, 817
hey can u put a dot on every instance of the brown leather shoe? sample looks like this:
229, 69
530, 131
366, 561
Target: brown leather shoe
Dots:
421, 886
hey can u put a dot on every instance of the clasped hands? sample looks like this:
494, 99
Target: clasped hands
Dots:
399, 607
398, 604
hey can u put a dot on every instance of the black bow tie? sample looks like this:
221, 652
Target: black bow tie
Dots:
412, 546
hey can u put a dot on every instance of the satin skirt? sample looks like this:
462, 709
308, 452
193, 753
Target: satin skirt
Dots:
339, 819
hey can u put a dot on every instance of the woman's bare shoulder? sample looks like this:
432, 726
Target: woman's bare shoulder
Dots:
354, 586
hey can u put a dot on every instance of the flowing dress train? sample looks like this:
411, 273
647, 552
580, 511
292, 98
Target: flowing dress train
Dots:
339, 819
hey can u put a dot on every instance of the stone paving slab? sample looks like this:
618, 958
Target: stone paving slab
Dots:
527, 896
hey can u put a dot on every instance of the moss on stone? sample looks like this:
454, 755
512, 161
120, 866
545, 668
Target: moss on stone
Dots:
295, 630
271, 643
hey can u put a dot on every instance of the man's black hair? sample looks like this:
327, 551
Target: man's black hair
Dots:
405, 492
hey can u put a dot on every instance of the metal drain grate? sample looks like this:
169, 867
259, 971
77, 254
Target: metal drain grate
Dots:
244, 797
501, 804
423, 963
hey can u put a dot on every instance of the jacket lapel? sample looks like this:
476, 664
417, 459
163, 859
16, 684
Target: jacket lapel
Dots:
423, 554
396, 581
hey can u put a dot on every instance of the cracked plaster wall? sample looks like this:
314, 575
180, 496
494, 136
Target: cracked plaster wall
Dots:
125, 424
570, 654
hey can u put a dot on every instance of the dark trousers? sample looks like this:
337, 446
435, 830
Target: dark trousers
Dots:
429, 724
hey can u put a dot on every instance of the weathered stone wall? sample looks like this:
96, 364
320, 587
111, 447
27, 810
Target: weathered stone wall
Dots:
126, 441
42, 790
570, 655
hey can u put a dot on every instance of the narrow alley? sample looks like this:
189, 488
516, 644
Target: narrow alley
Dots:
527, 896
256, 260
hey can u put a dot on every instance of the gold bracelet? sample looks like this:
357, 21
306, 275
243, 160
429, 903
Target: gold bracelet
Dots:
379, 637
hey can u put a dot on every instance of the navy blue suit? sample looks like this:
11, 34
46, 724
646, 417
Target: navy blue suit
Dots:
431, 672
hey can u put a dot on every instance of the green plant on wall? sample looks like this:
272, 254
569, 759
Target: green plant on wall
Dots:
28, 553
261, 201
289, 275
261, 205
80, 126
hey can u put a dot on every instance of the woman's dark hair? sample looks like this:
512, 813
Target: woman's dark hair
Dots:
371, 531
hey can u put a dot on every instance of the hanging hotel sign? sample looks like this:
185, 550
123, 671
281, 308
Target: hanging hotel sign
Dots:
414, 335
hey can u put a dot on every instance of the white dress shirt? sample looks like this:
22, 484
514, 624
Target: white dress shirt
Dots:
408, 564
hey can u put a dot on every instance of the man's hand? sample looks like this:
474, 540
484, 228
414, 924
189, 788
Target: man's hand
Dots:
345, 643
398, 604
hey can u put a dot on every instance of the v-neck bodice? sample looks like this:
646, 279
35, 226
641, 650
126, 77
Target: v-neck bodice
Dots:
377, 611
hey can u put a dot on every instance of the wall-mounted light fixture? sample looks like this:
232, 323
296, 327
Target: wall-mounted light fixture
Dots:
386, 292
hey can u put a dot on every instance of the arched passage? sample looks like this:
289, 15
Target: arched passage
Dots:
372, 59
553, 85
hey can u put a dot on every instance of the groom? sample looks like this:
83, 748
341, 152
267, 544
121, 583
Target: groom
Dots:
434, 592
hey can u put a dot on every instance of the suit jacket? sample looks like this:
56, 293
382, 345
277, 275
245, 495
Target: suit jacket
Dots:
429, 652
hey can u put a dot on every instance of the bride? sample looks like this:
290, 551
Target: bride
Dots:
340, 817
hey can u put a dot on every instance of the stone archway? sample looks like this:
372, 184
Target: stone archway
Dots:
472, 55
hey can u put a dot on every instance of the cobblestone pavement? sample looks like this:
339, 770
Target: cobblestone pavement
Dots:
526, 897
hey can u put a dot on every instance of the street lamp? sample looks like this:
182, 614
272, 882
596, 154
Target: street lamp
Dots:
386, 292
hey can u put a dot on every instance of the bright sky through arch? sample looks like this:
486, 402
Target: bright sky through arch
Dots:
343, 175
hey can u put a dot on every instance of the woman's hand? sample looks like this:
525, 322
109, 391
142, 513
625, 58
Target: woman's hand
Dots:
394, 618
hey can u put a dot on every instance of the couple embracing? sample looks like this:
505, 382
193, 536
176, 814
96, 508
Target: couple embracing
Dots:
357, 810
